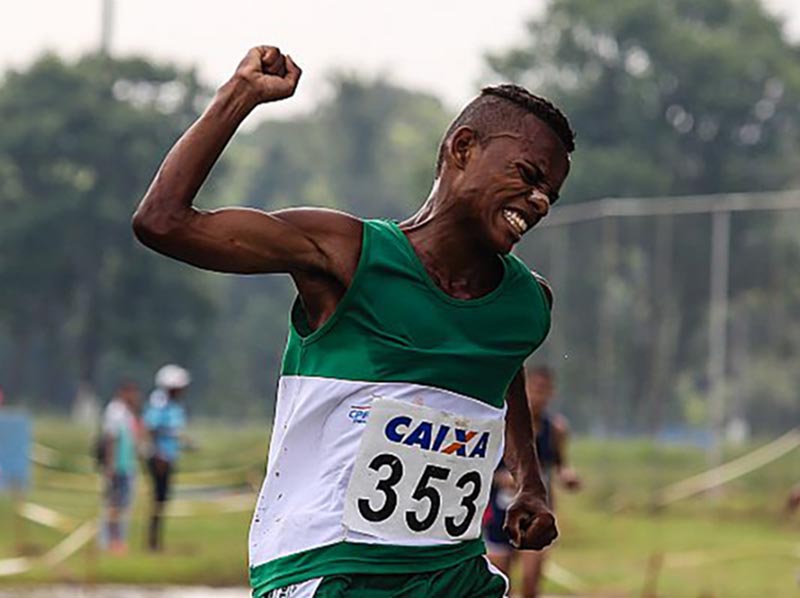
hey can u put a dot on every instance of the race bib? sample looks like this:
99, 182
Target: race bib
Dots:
422, 473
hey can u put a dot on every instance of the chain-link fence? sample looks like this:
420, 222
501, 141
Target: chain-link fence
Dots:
675, 314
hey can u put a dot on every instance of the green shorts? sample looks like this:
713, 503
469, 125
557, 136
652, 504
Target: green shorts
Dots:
473, 578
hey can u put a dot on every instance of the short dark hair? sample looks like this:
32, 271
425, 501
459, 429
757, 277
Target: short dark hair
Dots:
498, 105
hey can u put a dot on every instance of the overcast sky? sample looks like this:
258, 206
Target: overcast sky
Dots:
436, 45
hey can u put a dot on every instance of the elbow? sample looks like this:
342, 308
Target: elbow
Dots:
140, 225
146, 228
153, 226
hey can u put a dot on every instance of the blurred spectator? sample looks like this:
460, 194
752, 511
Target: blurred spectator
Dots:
552, 432
164, 421
119, 451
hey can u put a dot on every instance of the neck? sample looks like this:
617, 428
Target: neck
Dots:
446, 244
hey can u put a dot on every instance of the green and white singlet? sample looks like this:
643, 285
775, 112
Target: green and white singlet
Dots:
389, 421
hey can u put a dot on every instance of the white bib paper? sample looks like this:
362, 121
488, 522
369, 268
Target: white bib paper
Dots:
422, 473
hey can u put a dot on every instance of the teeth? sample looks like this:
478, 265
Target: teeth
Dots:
516, 221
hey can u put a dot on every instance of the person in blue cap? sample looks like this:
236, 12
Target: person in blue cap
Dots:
164, 420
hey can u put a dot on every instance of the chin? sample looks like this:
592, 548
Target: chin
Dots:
505, 249
501, 243
497, 239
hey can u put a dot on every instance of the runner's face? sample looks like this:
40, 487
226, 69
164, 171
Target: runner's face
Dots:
511, 181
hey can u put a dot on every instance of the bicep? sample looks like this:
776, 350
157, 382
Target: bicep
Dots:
250, 241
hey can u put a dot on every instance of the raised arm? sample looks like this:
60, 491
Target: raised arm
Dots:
529, 522
302, 242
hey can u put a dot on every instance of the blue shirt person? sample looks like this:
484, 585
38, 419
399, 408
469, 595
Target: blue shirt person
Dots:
164, 419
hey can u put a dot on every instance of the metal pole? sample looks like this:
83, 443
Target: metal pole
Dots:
106, 26
717, 329
697, 204
559, 260
605, 332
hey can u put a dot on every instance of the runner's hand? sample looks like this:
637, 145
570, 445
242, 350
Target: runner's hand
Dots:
570, 479
267, 74
530, 524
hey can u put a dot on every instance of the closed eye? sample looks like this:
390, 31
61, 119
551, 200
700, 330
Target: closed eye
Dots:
534, 177
529, 175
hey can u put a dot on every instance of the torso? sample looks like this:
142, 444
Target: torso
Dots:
395, 335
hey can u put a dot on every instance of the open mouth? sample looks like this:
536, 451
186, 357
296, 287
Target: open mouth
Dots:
516, 220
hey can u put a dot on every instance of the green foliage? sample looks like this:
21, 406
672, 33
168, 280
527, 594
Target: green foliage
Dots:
369, 150
81, 299
670, 97
667, 97
83, 302
674, 96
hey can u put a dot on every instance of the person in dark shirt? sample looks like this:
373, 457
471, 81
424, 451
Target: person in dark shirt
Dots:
552, 433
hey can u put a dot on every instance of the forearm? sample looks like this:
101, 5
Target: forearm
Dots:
520, 452
561, 439
169, 199
560, 461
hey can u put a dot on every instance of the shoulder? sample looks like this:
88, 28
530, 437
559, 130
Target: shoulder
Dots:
336, 236
536, 280
155, 405
114, 415
114, 408
322, 221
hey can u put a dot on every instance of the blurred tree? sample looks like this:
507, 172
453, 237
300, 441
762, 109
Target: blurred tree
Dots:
78, 146
369, 149
668, 97
82, 302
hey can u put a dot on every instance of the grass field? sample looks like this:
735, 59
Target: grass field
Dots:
737, 544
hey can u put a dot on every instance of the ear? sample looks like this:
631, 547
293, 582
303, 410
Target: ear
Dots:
462, 146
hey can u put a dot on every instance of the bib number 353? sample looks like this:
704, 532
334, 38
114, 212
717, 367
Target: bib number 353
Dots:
421, 473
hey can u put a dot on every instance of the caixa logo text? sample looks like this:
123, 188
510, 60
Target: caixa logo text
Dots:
358, 414
439, 438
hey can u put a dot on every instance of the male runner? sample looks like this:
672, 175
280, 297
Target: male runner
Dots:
552, 434
405, 346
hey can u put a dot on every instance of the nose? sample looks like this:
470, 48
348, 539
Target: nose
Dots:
541, 203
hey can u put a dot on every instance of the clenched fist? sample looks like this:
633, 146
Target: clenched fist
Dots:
267, 74
530, 524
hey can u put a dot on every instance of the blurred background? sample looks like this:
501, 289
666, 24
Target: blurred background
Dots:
674, 256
